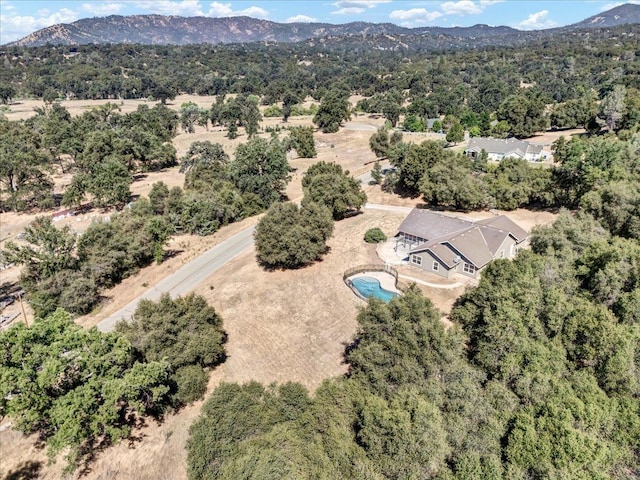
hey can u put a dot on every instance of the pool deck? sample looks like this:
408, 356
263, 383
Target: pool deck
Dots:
387, 281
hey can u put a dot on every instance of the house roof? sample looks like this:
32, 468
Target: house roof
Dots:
477, 242
505, 223
444, 254
508, 147
430, 225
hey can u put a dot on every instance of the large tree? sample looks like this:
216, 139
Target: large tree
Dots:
205, 163
186, 332
612, 107
260, 167
24, 169
327, 184
301, 140
46, 250
524, 112
334, 109
75, 387
291, 237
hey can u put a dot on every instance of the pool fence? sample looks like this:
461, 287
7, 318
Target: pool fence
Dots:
373, 267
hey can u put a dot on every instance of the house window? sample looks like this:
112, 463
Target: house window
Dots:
468, 268
416, 259
511, 249
501, 253
436, 266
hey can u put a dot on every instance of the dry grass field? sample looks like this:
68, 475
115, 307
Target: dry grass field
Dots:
282, 325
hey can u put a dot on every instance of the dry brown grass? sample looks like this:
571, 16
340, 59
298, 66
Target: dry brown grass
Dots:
282, 325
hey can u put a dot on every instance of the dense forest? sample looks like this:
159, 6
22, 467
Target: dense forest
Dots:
562, 67
539, 377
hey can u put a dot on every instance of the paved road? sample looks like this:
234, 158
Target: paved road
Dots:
190, 275
360, 127
388, 208
185, 279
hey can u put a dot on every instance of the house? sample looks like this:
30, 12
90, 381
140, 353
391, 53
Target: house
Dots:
498, 149
446, 245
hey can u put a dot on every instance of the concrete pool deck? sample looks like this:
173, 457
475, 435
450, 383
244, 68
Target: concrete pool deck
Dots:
387, 281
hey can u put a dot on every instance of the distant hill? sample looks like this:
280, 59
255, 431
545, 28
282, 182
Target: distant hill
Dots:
174, 30
621, 15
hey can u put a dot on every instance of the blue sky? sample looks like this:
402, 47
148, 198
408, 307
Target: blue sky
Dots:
20, 17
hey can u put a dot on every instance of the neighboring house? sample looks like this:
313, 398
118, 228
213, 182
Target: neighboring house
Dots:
431, 122
447, 245
498, 149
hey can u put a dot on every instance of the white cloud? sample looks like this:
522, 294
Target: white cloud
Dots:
355, 7
414, 17
537, 21
421, 16
224, 10
14, 26
461, 7
184, 8
301, 19
609, 6
99, 9
359, 3
349, 11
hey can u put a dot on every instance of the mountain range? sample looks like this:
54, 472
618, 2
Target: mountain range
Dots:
175, 30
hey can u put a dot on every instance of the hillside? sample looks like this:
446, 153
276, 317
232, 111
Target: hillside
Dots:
175, 30
620, 15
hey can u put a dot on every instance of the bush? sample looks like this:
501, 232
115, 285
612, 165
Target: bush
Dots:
272, 111
183, 331
192, 383
291, 237
374, 235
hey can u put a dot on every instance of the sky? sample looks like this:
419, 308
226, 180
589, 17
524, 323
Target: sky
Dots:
19, 18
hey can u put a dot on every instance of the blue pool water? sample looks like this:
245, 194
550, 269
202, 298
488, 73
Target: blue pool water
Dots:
370, 287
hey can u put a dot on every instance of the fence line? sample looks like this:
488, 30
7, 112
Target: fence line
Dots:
372, 267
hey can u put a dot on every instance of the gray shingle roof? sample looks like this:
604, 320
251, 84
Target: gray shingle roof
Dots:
503, 222
448, 237
430, 225
506, 147
472, 245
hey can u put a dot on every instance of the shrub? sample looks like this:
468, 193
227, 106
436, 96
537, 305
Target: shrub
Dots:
374, 235
192, 383
272, 111
291, 237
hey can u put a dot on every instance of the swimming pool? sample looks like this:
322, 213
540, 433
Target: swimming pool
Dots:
370, 287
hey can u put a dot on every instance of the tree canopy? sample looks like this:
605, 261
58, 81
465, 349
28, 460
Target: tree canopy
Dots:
327, 184
75, 387
289, 236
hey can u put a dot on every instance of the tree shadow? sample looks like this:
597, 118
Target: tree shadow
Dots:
171, 253
25, 471
406, 193
90, 451
57, 200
